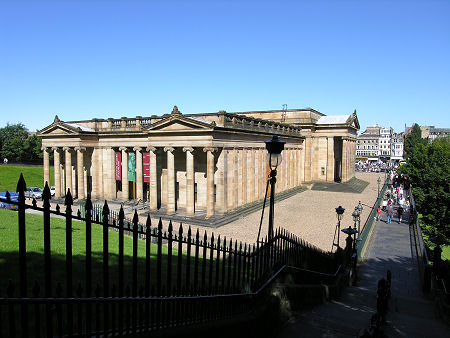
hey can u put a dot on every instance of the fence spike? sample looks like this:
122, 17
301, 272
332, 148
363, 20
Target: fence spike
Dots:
180, 232
88, 204
135, 217
8, 196
34, 202
58, 208
68, 200
170, 228
21, 186
160, 225
105, 209
79, 213
46, 195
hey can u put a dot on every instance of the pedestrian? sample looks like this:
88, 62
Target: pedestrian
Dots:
5, 161
399, 213
390, 213
378, 213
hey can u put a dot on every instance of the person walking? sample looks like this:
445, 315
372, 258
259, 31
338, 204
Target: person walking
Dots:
378, 213
400, 213
390, 213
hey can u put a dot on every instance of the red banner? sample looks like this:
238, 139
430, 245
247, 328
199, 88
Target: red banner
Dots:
118, 165
146, 160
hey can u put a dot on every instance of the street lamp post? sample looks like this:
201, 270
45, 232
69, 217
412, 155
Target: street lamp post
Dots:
360, 209
274, 148
355, 216
339, 213
379, 181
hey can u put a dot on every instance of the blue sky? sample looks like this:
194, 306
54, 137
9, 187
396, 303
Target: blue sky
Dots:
390, 60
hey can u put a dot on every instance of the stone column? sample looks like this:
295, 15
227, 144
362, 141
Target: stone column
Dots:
302, 163
80, 172
257, 175
209, 181
57, 166
307, 161
231, 177
243, 169
46, 166
330, 159
170, 180
125, 189
344, 160
153, 180
100, 179
264, 173
139, 174
190, 181
109, 179
250, 175
68, 169
294, 167
94, 173
221, 185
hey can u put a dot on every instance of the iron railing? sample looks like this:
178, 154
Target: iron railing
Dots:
184, 278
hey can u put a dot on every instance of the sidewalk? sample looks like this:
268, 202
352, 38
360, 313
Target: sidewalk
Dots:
410, 313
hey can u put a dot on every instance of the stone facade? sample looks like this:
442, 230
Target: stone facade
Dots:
212, 163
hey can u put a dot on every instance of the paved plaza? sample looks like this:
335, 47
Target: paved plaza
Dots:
310, 215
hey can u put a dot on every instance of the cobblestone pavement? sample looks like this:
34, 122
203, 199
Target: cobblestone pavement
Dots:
310, 215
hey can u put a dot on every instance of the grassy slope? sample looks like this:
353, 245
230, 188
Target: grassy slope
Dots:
9, 259
34, 176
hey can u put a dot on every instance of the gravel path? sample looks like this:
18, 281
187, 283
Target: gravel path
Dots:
310, 215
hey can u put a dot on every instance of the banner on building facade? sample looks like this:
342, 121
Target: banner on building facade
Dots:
118, 165
132, 167
146, 162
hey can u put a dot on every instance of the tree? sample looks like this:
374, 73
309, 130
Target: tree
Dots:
428, 167
17, 146
413, 139
12, 138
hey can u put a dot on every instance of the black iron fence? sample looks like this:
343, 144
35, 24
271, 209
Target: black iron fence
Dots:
183, 278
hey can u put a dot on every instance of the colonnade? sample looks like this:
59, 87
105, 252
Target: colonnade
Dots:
235, 176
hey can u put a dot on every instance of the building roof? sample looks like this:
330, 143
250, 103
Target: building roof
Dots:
333, 119
79, 126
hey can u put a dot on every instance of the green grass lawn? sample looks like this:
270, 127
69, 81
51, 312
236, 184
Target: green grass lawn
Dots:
9, 259
34, 176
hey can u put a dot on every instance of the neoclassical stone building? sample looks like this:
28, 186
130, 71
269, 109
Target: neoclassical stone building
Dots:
213, 162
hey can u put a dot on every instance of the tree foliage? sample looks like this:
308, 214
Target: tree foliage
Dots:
428, 167
413, 139
17, 146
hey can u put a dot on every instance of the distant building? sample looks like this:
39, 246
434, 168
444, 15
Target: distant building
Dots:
431, 133
367, 144
378, 144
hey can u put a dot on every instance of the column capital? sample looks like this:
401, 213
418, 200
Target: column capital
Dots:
123, 148
137, 148
67, 149
151, 148
190, 149
55, 148
211, 149
171, 149
46, 148
80, 148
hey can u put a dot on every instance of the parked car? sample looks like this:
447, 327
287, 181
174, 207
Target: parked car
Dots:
52, 191
33, 192
13, 196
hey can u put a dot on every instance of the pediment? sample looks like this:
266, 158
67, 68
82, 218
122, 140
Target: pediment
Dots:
179, 123
58, 129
